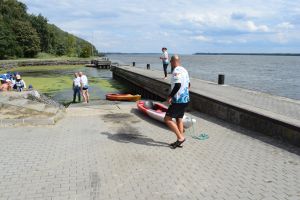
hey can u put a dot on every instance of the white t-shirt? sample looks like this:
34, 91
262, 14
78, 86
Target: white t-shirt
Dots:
76, 82
180, 75
84, 81
165, 57
20, 83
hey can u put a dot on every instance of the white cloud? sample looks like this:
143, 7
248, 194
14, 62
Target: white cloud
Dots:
205, 19
224, 41
164, 33
221, 21
285, 25
133, 10
251, 26
81, 13
201, 38
146, 25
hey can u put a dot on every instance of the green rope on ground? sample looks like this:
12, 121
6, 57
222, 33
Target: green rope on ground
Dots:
202, 136
193, 133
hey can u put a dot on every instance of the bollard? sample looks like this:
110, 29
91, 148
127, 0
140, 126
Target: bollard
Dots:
148, 66
221, 79
133, 64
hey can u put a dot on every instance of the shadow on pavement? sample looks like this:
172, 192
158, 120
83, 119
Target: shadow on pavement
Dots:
129, 134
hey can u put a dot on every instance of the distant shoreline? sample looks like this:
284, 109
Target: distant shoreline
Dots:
251, 54
222, 54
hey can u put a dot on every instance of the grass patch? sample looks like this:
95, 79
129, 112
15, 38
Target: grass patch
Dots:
49, 85
64, 82
43, 55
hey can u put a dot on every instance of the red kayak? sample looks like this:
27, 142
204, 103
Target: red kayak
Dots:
123, 97
158, 111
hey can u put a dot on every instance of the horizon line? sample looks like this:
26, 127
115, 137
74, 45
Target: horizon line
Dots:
202, 53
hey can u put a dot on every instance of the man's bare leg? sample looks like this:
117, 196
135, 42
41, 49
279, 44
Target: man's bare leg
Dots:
87, 96
180, 126
84, 95
173, 126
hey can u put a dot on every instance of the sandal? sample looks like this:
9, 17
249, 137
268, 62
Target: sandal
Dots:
177, 144
172, 144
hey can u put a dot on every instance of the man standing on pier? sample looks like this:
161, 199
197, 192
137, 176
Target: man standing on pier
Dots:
178, 100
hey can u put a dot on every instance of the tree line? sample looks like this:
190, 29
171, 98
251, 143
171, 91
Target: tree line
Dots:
24, 35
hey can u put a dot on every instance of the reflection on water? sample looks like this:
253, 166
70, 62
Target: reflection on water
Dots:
58, 83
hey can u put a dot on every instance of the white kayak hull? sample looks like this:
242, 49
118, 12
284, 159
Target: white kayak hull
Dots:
158, 112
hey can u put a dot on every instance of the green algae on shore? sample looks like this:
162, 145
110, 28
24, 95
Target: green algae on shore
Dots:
107, 85
56, 81
49, 84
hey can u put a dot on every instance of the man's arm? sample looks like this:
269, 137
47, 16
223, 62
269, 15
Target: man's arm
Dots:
175, 89
173, 92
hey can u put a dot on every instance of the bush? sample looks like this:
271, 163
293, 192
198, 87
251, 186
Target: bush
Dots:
86, 51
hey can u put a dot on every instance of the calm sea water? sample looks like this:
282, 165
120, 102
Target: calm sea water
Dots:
277, 75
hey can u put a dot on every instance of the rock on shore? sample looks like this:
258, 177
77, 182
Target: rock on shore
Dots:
28, 108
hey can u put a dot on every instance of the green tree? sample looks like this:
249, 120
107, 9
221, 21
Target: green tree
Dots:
71, 45
86, 51
22, 34
12, 9
8, 45
27, 38
61, 50
54, 40
39, 23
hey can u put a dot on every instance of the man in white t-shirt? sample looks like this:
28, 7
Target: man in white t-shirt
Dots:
84, 87
178, 100
76, 88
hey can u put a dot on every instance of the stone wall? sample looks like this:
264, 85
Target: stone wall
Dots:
10, 65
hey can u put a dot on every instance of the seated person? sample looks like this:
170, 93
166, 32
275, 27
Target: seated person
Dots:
5, 86
19, 84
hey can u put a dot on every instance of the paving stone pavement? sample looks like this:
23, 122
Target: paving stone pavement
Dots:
104, 151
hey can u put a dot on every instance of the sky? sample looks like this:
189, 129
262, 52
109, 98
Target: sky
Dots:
183, 26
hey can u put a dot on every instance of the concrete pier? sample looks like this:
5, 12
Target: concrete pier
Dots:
275, 116
103, 63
